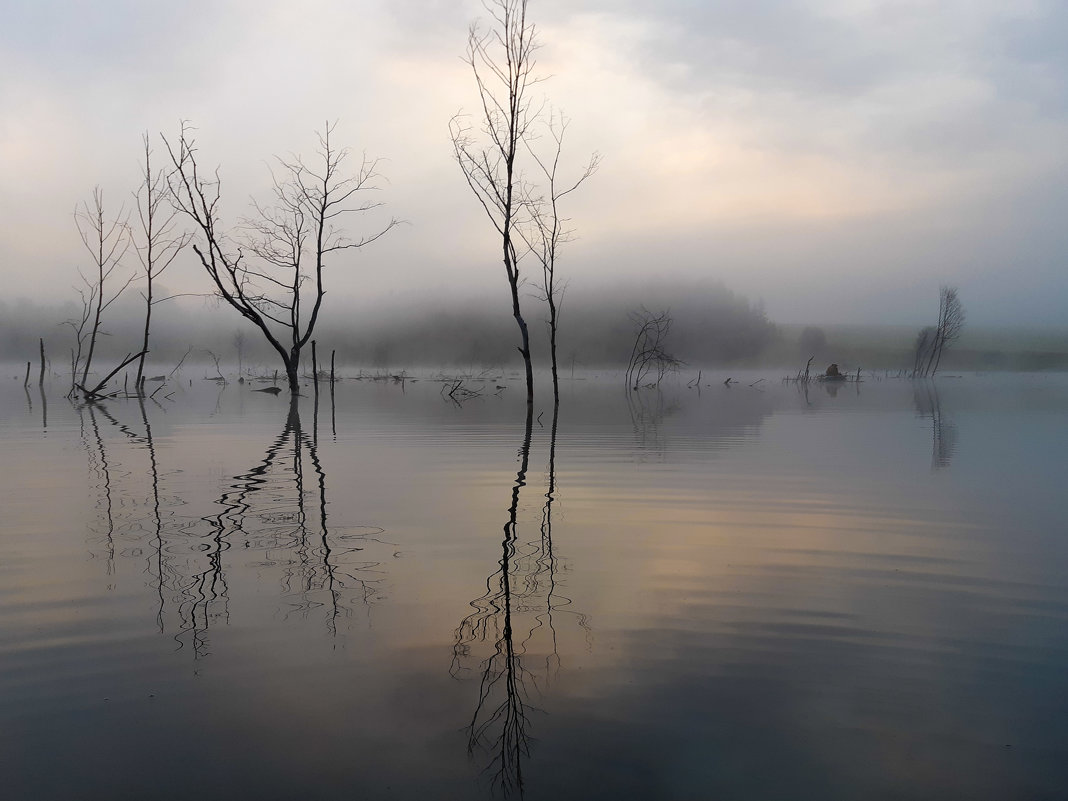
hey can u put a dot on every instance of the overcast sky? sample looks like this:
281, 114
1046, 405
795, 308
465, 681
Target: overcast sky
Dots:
836, 159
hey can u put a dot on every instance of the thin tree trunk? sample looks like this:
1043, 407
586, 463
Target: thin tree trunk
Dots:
552, 351
525, 350
92, 337
99, 296
144, 341
512, 270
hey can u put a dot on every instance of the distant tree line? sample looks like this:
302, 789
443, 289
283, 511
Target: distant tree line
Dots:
710, 325
408, 331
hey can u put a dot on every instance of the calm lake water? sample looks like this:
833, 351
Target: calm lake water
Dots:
747, 592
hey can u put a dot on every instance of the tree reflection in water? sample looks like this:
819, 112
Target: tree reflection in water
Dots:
524, 586
267, 509
274, 509
648, 409
99, 470
160, 565
943, 430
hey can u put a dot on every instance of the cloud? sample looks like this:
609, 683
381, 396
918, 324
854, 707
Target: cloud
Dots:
755, 141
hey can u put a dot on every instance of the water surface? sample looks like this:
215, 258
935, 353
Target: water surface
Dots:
741, 592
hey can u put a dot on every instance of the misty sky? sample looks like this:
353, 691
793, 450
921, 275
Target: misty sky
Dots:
837, 159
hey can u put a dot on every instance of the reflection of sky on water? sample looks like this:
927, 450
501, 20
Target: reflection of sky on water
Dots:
767, 594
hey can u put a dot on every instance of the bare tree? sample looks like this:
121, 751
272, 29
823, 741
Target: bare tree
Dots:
546, 230
950, 321
648, 356
157, 243
275, 269
502, 61
106, 240
932, 342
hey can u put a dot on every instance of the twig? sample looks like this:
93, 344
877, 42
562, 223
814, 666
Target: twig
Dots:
178, 366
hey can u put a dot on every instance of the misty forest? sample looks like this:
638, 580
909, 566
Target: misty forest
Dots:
559, 533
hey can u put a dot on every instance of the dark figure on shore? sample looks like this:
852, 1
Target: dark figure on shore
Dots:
832, 372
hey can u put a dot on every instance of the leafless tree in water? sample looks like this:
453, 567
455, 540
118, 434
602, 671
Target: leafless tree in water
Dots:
950, 321
931, 343
284, 247
156, 242
502, 61
546, 231
106, 239
649, 360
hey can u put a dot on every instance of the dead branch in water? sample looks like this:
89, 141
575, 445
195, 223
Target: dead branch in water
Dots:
94, 393
457, 392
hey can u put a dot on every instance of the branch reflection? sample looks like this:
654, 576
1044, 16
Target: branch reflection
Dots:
524, 584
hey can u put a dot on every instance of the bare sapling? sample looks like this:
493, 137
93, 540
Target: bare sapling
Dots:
156, 240
106, 240
545, 230
931, 342
502, 62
